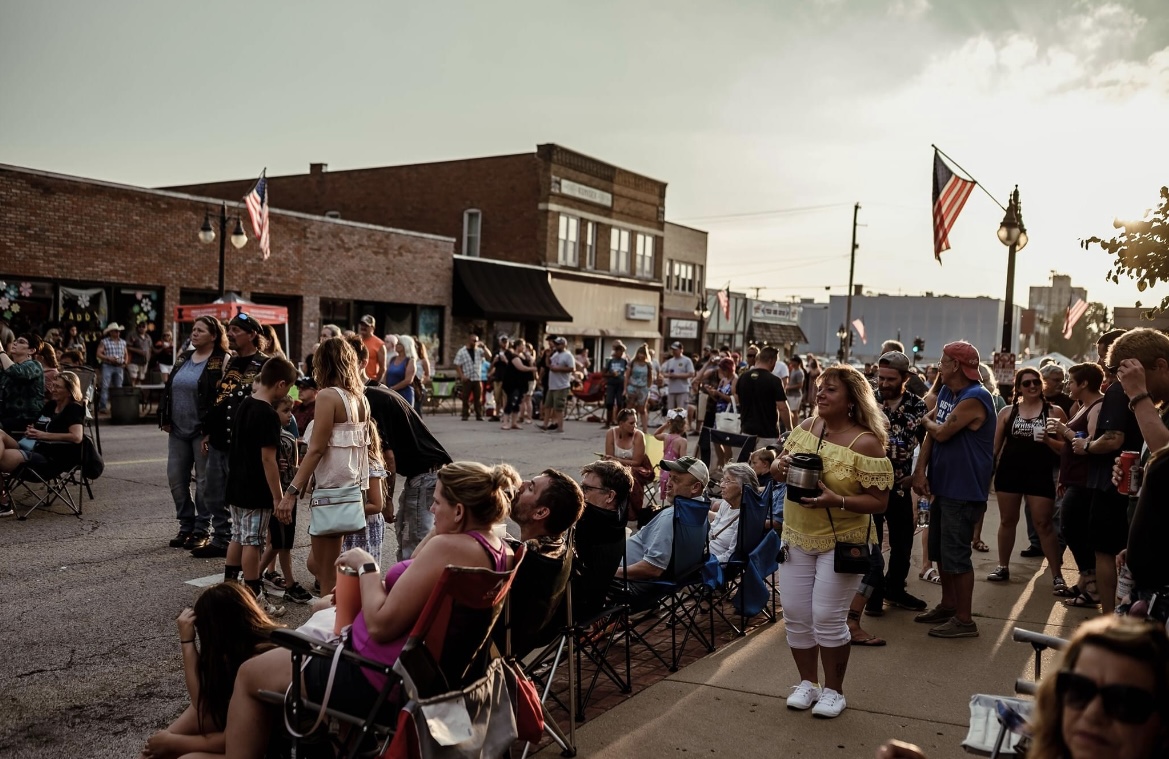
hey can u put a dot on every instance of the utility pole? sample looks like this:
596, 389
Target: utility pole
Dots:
851, 269
756, 289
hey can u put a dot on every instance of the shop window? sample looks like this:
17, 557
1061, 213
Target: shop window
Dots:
430, 332
619, 251
645, 256
681, 277
134, 307
472, 220
336, 311
88, 308
567, 254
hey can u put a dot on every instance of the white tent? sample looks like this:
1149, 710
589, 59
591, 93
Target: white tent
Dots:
1058, 358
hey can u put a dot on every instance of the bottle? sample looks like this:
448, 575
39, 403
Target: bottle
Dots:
346, 597
1123, 585
923, 511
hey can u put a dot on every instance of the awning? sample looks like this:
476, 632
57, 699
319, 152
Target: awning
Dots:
777, 334
494, 290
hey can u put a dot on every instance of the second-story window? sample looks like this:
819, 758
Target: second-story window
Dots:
590, 244
567, 250
645, 256
472, 220
619, 251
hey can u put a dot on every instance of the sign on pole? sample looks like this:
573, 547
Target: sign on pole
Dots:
1004, 368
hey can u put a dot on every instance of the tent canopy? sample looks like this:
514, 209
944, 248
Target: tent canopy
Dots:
1058, 358
225, 308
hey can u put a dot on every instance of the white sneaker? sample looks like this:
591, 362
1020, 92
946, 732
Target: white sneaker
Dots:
271, 609
803, 695
830, 705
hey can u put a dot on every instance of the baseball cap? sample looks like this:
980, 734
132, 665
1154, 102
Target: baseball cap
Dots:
726, 363
675, 344
894, 360
967, 357
560, 341
245, 322
368, 320
306, 382
689, 465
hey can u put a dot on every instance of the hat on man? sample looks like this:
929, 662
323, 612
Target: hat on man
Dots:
967, 357
246, 323
675, 344
689, 465
894, 360
306, 382
111, 327
368, 321
560, 341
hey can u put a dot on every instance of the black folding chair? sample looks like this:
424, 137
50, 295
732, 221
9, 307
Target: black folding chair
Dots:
48, 482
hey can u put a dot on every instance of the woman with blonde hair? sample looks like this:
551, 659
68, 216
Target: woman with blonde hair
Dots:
847, 431
639, 375
401, 368
470, 499
338, 447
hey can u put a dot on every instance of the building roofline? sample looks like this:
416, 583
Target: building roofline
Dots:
684, 226
213, 201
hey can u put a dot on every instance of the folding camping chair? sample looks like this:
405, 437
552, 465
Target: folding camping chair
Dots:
654, 449
50, 481
587, 399
88, 378
446, 649
753, 560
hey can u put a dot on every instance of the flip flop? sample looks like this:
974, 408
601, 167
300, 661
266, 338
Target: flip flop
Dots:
981, 547
931, 575
1082, 601
871, 642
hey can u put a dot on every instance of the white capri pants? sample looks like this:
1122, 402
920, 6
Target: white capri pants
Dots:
815, 600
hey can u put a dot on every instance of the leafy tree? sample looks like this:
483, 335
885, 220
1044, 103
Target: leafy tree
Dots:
1141, 250
1085, 332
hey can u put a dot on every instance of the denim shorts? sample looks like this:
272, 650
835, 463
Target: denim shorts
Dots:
952, 526
249, 527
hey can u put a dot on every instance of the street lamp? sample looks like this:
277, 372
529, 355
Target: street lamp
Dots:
1013, 234
842, 335
702, 312
238, 238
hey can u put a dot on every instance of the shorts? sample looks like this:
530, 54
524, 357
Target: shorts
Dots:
1108, 522
1022, 477
514, 396
282, 535
636, 397
556, 399
952, 531
794, 401
137, 371
249, 527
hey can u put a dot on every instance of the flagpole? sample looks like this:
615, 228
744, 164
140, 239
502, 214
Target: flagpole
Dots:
972, 179
851, 269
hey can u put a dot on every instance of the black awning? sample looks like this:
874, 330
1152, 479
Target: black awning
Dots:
777, 334
495, 290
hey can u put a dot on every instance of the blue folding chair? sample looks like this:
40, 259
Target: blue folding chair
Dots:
747, 578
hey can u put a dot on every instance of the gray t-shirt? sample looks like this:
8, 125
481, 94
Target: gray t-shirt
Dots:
184, 398
796, 379
561, 380
680, 365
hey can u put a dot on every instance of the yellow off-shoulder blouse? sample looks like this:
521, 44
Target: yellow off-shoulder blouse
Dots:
846, 472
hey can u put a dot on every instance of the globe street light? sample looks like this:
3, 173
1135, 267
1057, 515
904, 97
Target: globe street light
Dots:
702, 311
1013, 234
238, 238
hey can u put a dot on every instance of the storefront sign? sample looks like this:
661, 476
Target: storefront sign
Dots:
639, 312
775, 313
683, 328
583, 192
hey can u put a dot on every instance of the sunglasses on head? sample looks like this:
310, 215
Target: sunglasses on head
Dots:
1124, 703
1030, 383
242, 315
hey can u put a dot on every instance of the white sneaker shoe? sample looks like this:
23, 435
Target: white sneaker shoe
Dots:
803, 695
271, 609
830, 705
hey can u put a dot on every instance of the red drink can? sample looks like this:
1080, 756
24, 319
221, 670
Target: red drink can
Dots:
346, 597
1129, 472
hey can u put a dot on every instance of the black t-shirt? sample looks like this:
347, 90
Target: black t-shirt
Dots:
415, 448
257, 426
1146, 537
63, 454
615, 367
1115, 415
759, 391
514, 379
1063, 400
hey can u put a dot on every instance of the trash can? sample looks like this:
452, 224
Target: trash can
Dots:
124, 405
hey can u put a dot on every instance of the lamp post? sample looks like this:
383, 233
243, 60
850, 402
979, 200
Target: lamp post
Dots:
238, 238
1013, 234
702, 312
842, 335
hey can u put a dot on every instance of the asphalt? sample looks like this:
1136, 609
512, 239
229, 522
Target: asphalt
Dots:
91, 663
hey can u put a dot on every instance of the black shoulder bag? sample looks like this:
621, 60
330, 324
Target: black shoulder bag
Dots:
847, 558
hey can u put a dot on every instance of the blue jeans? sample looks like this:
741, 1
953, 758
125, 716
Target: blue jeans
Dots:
182, 455
111, 376
215, 497
414, 520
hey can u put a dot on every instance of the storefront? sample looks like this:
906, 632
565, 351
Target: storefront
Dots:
684, 330
492, 298
603, 313
775, 324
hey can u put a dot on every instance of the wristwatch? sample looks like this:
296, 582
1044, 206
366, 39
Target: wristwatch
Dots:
292, 489
368, 567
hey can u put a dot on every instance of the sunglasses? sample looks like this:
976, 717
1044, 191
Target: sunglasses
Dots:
1031, 383
1123, 703
594, 487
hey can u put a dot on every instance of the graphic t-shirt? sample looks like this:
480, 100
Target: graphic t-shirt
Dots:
615, 369
680, 365
257, 427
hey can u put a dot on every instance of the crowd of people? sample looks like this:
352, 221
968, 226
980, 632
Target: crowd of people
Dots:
893, 448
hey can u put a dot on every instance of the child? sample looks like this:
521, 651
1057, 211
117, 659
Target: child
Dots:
761, 461
281, 536
370, 539
673, 434
253, 476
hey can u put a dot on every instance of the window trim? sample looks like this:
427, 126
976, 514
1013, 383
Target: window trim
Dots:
467, 214
564, 226
615, 234
641, 243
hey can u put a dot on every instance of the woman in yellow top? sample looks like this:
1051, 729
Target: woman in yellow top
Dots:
847, 429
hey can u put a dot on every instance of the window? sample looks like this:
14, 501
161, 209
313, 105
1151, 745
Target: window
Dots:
472, 219
590, 244
567, 252
645, 256
698, 284
682, 277
619, 251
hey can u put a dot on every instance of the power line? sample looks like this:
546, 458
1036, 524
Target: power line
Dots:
773, 212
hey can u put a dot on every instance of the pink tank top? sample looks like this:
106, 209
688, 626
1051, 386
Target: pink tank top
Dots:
387, 653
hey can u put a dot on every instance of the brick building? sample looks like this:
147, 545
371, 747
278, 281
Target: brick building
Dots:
684, 280
565, 244
96, 251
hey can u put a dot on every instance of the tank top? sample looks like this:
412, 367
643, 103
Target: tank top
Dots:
639, 374
1073, 469
346, 459
387, 653
1021, 452
625, 454
395, 373
960, 468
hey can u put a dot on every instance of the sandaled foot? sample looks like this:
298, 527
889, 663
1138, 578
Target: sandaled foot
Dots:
1082, 601
931, 575
865, 639
1059, 587
981, 547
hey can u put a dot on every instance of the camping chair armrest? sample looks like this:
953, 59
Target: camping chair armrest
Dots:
302, 644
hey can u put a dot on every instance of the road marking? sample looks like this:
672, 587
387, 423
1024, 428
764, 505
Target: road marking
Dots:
206, 582
135, 461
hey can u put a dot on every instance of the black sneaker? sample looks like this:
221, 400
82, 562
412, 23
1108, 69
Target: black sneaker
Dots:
903, 600
210, 551
297, 594
195, 541
180, 540
1031, 552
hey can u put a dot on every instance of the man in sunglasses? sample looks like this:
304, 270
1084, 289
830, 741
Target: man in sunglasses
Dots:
244, 335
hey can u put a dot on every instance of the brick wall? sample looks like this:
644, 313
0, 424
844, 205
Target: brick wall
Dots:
66, 229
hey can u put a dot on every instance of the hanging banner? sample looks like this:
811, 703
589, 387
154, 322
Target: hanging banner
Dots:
85, 308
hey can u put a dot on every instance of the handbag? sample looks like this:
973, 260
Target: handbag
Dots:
336, 511
529, 712
850, 558
728, 421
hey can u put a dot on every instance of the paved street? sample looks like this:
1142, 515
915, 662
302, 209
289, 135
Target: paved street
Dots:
92, 663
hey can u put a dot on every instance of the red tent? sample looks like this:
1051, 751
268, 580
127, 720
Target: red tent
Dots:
225, 308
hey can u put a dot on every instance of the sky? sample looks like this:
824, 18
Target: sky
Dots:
768, 119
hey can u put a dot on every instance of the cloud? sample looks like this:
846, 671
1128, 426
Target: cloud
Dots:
909, 9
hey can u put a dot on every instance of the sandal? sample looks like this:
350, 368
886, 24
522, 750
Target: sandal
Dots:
1083, 601
981, 547
931, 575
1059, 587
871, 642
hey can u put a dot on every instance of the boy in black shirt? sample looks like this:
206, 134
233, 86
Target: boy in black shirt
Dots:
253, 476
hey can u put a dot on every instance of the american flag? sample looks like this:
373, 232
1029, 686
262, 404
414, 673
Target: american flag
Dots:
860, 330
257, 202
1076, 309
950, 194
724, 302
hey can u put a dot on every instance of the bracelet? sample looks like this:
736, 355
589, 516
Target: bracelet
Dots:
842, 504
1140, 397
185, 642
